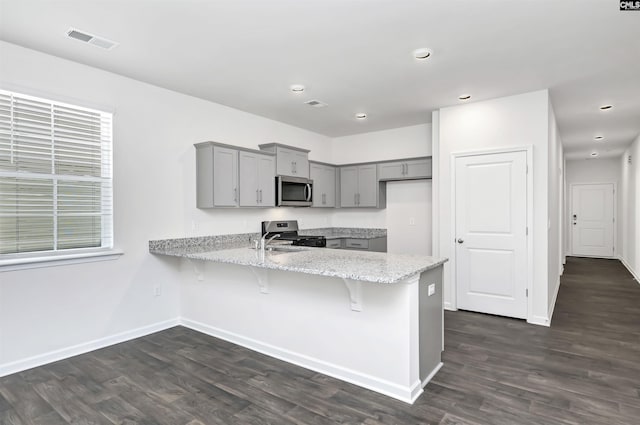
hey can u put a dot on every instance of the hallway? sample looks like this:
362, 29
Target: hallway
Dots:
584, 369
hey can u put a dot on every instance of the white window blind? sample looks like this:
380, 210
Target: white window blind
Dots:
55, 176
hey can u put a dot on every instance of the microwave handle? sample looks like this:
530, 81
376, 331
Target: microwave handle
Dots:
307, 192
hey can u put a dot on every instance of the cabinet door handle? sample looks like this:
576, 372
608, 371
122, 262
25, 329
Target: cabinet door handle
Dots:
260, 195
257, 197
308, 192
235, 194
293, 167
355, 199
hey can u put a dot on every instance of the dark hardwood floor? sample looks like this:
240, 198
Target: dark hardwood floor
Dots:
585, 369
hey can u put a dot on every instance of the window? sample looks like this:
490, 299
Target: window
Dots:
55, 177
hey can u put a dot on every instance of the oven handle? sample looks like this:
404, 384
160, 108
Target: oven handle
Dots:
307, 192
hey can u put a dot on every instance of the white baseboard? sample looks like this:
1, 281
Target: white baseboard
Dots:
635, 275
552, 306
408, 394
447, 306
64, 353
539, 320
432, 374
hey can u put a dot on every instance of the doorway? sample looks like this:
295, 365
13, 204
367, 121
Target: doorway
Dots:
491, 231
592, 220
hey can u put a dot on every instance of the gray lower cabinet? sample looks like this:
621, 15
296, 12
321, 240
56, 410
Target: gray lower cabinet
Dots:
371, 244
324, 185
216, 176
257, 180
359, 186
405, 170
334, 243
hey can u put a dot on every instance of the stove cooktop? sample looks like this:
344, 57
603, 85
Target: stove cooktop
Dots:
288, 231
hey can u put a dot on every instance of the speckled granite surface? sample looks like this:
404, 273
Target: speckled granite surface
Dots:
375, 267
202, 242
345, 232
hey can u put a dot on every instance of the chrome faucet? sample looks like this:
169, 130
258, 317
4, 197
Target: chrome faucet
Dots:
264, 241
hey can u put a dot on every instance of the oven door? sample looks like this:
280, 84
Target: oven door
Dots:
293, 191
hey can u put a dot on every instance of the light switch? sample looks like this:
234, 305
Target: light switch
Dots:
412, 221
432, 289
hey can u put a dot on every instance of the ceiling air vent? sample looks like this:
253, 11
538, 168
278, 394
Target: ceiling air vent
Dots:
315, 103
91, 39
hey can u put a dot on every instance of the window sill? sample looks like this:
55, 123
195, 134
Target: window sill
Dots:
34, 262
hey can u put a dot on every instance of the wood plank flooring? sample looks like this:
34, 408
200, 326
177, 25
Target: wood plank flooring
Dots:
585, 369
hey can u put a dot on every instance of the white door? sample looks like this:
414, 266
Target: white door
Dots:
491, 233
592, 220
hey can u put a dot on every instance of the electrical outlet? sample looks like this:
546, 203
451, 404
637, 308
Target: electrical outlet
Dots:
157, 291
432, 289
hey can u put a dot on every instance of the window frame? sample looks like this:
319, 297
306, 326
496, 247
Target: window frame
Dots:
57, 255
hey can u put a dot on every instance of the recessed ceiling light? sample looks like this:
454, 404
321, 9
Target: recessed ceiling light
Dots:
594, 154
598, 138
297, 88
422, 54
361, 116
464, 97
605, 107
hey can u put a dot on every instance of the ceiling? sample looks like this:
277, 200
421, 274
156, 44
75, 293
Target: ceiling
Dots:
356, 56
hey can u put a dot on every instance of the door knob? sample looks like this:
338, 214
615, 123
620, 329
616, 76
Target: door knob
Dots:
460, 240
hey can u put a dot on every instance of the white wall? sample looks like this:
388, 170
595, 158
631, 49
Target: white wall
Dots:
397, 143
49, 309
555, 191
630, 193
304, 318
409, 209
521, 120
606, 170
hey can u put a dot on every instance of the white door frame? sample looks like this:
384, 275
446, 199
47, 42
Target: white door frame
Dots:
615, 221
452, 243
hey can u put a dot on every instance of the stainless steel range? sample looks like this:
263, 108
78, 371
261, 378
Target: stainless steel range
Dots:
288, 231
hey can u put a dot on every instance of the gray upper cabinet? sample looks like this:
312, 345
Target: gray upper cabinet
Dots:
216, 176
359, 187
419, 168
234, 176
290, 161
257, 179
367, 186
324, 185
348, 187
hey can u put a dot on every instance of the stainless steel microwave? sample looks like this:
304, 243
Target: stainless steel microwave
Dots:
293, 191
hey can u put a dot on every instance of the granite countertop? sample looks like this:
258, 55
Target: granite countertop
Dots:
377, 267
345, 232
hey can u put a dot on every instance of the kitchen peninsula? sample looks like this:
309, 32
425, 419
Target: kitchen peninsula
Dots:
370, 318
